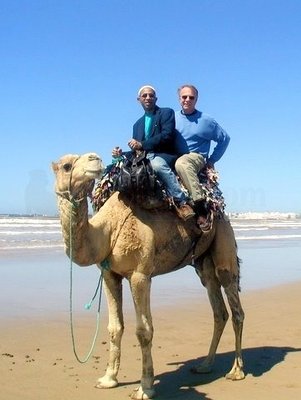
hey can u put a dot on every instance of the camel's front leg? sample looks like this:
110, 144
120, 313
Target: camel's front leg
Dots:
140, 287
113, 290
220, 313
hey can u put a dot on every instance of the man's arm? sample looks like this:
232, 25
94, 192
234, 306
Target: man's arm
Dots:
222, 139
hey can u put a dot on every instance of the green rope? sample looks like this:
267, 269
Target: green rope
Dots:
87, 306
105, 264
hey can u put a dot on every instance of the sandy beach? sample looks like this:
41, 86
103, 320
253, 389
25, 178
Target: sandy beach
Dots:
37, 360
36, 355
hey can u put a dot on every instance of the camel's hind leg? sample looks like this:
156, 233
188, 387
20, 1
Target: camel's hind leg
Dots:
113, 290
140, 287
212, 283
236, 373
209, 280
224, 256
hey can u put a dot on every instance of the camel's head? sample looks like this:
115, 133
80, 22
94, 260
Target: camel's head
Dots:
75, 175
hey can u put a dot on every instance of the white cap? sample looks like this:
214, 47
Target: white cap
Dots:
144, 87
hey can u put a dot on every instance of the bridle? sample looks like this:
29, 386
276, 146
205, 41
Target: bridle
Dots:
67, 194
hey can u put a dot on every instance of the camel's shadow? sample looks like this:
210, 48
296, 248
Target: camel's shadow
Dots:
180, 383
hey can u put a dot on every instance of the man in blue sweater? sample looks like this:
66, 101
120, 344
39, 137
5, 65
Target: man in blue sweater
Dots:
195, 132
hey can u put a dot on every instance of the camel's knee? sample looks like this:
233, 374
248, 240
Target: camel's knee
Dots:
238, 315
144, 336
115, 333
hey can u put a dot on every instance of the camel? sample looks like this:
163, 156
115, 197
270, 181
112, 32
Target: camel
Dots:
139, 244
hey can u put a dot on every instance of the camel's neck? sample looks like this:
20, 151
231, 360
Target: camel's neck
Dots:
80, 243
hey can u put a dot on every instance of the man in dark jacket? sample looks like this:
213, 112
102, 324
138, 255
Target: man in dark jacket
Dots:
154, 133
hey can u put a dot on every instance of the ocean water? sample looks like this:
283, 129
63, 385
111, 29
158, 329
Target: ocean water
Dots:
29, 233
35, 272
44, 233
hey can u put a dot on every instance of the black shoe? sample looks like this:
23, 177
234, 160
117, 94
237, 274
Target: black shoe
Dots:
204, 221
200, 207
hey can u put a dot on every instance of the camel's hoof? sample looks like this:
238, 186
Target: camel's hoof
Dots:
106, 383
201, 369
143, 394
237, 375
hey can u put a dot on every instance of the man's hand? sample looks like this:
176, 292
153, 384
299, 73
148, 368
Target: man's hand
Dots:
116, 152
135, 145
209, 166
211, 173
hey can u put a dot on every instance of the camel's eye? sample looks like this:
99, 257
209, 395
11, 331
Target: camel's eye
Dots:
67, 167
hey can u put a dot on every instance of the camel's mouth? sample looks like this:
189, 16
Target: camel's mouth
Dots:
94, 169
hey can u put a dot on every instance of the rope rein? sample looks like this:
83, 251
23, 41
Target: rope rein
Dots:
87, 306
74, 203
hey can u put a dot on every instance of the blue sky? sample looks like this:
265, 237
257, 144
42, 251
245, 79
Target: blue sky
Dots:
70, 70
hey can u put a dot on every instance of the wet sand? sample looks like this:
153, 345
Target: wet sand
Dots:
37, 361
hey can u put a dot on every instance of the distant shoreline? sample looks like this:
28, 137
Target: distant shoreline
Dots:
251, 215
264, 215
41, 216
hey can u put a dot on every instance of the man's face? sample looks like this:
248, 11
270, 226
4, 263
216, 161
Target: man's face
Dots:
147, 99
188, 99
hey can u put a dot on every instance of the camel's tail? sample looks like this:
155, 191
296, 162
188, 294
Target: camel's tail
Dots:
239, 261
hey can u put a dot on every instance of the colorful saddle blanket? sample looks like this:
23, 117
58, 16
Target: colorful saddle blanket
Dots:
158, 199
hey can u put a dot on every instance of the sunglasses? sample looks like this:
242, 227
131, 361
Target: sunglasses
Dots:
144, 95
188, 97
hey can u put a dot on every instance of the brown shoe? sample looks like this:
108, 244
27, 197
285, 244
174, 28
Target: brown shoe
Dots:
185, 211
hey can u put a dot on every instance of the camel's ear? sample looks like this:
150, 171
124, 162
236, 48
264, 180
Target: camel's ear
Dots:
55, 167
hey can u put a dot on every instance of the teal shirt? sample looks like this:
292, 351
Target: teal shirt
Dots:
147, 125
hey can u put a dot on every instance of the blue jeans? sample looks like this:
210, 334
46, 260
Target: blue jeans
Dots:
167, 177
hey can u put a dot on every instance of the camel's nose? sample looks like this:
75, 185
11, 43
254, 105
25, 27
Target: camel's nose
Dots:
94, 157
94, 167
